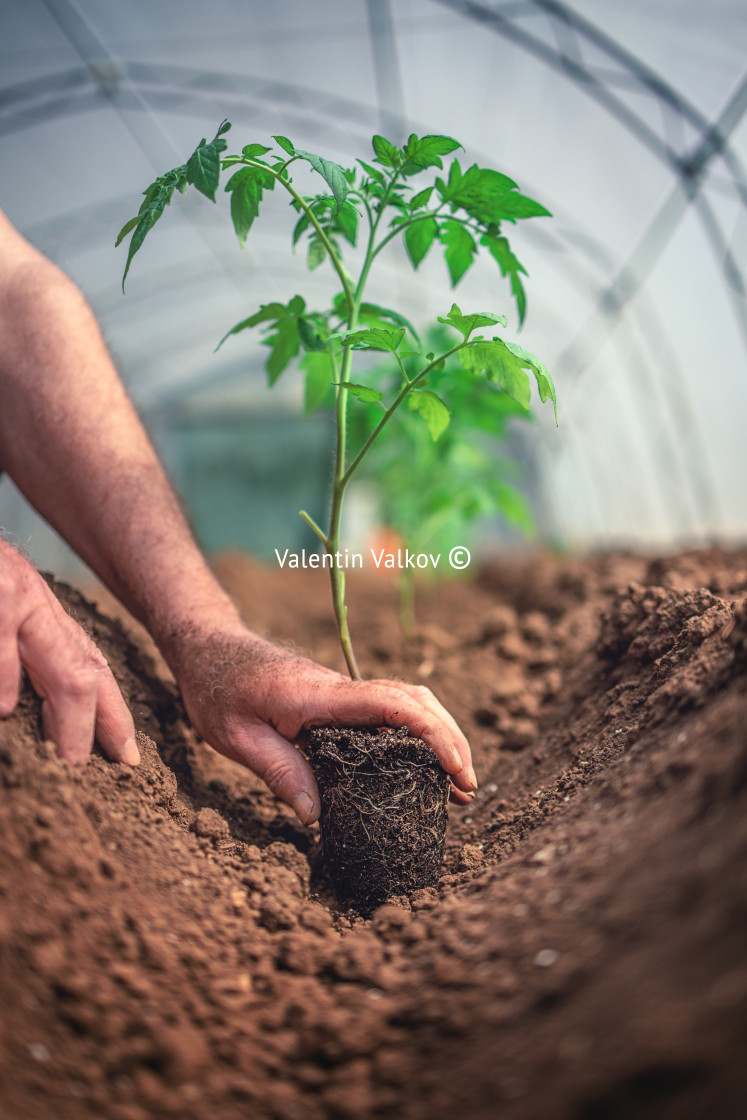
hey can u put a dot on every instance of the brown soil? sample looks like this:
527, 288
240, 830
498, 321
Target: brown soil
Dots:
168, 947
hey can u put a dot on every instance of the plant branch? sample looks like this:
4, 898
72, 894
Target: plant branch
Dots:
313, 525
333, 255
402, 369
468, 222
393, 408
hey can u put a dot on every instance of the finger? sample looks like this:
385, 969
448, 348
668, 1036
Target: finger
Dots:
277, 762
115, 730
431, 702
64, 679
459, 797
10, 674
376, 703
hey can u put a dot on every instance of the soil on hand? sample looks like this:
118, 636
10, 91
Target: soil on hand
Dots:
383, 822
169, 945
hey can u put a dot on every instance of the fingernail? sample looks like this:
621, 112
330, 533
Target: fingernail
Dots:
130, 753
472, 777
303, 807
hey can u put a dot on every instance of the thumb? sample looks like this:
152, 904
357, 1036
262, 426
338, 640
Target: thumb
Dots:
280, 766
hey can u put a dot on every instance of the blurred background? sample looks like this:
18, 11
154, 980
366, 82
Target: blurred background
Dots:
628, 121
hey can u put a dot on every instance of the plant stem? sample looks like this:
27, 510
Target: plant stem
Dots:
341, 476
331, 540
339, 482
393, 408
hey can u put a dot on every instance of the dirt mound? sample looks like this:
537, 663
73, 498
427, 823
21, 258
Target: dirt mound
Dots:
169, 946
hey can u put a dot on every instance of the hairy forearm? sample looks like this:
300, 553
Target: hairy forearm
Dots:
73, 444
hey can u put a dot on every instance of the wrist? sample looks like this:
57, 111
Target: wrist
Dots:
193, 647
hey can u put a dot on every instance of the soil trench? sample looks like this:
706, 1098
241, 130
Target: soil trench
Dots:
169, 946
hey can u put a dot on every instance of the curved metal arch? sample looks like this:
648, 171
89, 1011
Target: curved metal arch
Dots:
572, 33
176, 88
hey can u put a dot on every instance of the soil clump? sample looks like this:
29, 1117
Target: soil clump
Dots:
170, 946
383, 822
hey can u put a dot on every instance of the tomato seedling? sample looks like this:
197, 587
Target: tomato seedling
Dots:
462, 210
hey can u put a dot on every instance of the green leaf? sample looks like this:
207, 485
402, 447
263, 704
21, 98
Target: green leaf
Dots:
460, 249
539, 369
499, 364
332, 174
268, 312
514, 205
319, 375
506, 363
419, 237
202, 170
509, 265
284, 341
422, 198
285, 144
386, 153
374, 173
317, 253
157, 197
144, 225
254, 151
480, 192
376, 338
363, 392
126, 229
465, 324
432, 409
425, 151
347, 222
308, 332
246, 186
203, 166
284, 344
302, 225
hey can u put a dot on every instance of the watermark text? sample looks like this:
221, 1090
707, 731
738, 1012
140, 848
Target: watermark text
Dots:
400, 559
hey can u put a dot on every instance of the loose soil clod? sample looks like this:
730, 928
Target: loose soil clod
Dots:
383, 819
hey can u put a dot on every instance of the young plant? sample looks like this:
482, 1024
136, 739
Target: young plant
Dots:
462, 210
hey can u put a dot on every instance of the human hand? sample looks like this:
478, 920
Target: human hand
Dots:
80, 697
250, 699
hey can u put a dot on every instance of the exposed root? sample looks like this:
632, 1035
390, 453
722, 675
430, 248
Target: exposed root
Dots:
383, 819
